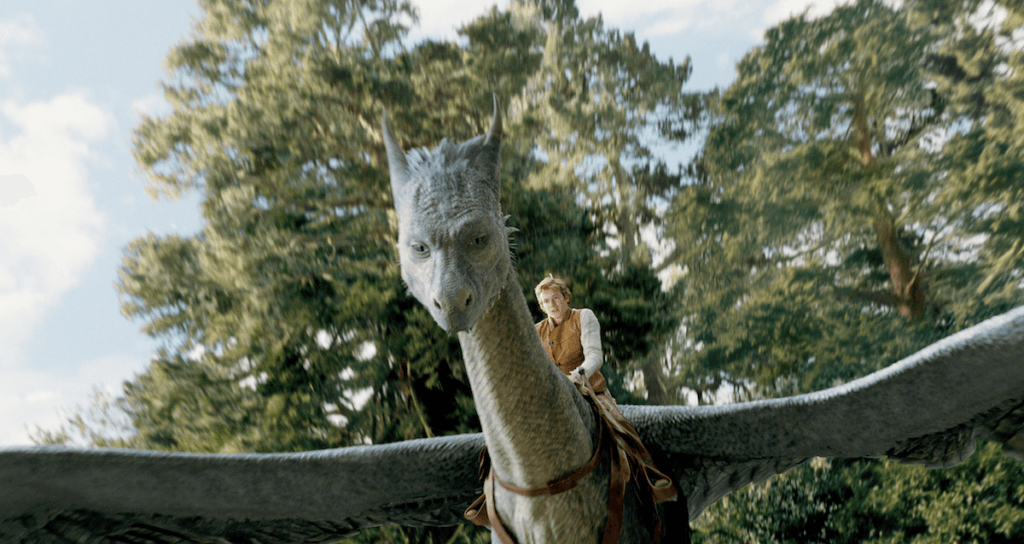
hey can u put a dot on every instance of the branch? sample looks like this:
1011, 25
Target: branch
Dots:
927, 250
859, 295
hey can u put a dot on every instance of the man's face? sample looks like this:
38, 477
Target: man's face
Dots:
554, 304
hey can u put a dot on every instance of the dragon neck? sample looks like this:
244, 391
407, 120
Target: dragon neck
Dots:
537, 427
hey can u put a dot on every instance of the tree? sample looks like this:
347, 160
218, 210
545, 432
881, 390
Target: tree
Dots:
851, 205
853, 501
592, 111
978, 66
282, 286
830, 210
284, 321
593, 105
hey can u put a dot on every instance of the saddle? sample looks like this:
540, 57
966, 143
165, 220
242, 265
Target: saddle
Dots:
629, 459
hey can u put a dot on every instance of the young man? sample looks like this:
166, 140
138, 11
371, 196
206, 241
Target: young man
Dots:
572, 338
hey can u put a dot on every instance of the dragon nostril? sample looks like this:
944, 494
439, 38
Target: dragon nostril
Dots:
469, 300
437, 304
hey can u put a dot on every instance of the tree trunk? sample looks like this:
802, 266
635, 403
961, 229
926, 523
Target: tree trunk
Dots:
908, 293
654, 383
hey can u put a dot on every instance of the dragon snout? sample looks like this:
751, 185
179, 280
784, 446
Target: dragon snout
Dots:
461, 301
453, 310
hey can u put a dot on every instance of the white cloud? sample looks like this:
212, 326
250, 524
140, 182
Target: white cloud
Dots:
669, 26
784, 9
617, 10
153, 105
28, 397
439, 19
49, 226
19, 31
723, 61
14, 188
816, 9
669, 18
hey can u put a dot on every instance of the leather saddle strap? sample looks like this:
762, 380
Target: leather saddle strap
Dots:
496, 525
616, 494
620, 474
616, 501
564, 483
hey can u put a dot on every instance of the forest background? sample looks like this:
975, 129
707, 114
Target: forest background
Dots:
857, 196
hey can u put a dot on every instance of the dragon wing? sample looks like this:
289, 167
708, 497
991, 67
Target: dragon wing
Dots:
926, 409
50, 494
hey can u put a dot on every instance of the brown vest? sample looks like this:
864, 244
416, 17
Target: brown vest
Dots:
562, 341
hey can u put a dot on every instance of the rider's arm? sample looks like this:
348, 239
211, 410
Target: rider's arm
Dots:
590, 337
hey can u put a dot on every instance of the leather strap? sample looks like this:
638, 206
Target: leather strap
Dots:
496, 525
616, 492
662, 488
565, 483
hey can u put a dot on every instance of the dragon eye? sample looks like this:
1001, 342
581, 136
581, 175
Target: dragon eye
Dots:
419, 248
479, 240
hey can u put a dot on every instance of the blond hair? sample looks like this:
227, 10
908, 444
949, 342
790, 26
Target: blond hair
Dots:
552, 283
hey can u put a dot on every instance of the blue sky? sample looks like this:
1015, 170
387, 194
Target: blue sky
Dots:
73, 76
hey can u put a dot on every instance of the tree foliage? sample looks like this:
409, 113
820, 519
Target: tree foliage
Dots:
833, 205
594, 103
858, 196
872, 501
841, 219
284, 322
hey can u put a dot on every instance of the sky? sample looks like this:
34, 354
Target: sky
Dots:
74, 77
